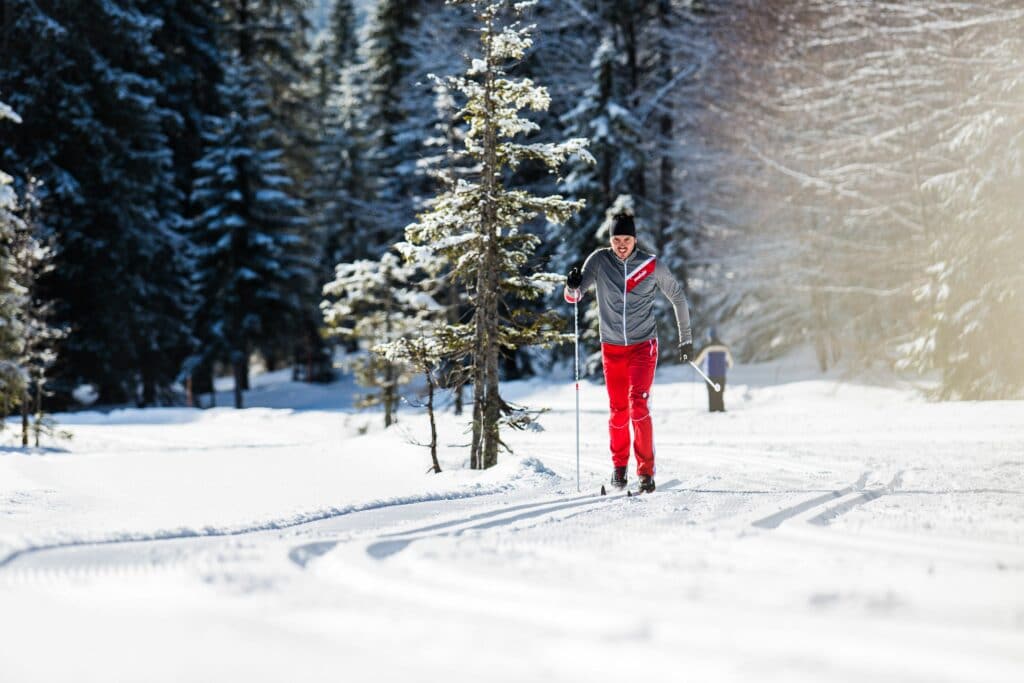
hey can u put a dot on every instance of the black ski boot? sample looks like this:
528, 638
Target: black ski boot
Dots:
619, 478
646, 483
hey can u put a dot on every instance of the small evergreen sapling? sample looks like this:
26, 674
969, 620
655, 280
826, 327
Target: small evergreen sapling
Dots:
425, 353
32, 259
12, 379
363, 304
27, 341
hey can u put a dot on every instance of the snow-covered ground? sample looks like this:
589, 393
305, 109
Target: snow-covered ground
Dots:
820, 530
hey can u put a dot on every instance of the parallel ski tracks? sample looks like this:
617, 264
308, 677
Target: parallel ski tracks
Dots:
141, 557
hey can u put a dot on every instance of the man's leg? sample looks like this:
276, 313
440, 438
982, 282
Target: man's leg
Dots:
616, 380
642, 363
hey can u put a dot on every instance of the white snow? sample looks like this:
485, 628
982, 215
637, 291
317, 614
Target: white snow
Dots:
822, 530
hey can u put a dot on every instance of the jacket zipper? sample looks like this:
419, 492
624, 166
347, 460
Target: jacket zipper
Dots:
625, 339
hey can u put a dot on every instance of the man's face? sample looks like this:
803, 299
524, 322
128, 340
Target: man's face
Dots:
623, 245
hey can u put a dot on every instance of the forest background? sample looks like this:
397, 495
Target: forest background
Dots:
183, 178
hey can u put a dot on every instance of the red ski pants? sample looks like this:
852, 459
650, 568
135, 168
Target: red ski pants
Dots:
628, 374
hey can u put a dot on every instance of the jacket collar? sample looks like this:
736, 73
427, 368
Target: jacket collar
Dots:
629, 259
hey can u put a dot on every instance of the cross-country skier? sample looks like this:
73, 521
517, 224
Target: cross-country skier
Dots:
716, 355
625, 279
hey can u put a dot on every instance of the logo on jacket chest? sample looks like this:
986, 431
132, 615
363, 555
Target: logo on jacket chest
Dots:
640, 273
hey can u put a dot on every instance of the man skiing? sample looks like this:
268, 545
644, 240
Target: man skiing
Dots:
625, 279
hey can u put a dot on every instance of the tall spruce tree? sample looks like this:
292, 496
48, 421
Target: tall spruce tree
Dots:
406, 40
337, 183
253, 270
190, 69
273, 37
616, 146
477, 224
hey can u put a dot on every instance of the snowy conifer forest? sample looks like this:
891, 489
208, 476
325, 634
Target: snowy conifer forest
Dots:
284, 331
818, 173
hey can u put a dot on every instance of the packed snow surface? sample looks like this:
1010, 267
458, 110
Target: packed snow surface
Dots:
821, 530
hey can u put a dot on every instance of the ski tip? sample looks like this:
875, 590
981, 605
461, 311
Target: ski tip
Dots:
603, 492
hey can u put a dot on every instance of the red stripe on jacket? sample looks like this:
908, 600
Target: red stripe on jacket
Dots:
641, 273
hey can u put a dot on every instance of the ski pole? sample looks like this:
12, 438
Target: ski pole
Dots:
576, 369
718, 387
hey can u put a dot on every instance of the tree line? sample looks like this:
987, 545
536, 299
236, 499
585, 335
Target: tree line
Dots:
199, 170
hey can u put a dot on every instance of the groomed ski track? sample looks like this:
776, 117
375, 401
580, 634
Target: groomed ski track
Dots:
772, 550
450, 562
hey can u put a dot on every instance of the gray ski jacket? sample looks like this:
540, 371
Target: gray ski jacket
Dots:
625, 296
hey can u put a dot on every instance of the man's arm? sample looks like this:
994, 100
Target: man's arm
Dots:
671, 288
587, 273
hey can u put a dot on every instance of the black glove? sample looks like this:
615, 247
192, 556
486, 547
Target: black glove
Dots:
686, 352
574, 279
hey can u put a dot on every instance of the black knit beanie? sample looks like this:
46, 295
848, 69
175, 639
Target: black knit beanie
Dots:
624, 225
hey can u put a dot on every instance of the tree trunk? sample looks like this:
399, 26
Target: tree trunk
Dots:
37, 427
453, 318
433, 424
486, 398
630, 30
271, 361
666, 170
388, 394
240, 365
25, 398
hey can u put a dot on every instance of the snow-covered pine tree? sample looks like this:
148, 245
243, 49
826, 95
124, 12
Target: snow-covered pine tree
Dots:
82, 76
428, 345
27, 341
875, 225
253, 273
368, 302
386, 106
628, 21
615, 144
12, 379
444, 167
332, 188
274, 37
338, 182
676, 49
972, 289
32, 258
405, 41
189, 72
334, 50
478, 224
